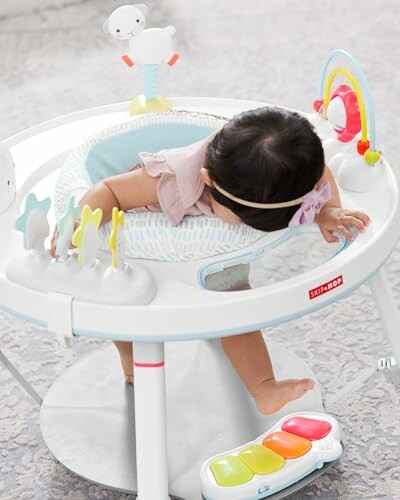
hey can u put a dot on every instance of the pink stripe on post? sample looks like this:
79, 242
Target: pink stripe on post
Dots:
148, 365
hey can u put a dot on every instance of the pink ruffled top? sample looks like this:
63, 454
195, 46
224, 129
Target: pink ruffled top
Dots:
181, 191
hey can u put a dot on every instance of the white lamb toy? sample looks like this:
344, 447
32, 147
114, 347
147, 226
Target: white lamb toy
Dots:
150, 46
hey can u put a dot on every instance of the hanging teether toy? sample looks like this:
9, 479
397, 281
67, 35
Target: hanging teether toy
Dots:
147, 47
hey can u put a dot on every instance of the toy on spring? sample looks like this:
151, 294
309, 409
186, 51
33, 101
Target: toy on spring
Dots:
147, 47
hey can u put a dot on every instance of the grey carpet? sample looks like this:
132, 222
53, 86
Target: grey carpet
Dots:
56, 60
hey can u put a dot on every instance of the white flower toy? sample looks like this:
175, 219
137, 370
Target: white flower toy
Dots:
33, 223
147, 47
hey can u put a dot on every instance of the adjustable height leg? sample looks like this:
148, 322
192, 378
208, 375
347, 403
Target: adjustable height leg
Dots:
150, 417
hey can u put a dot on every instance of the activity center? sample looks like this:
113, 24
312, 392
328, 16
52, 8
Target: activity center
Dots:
191, 430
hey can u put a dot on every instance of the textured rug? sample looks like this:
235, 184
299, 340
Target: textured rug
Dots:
57, 60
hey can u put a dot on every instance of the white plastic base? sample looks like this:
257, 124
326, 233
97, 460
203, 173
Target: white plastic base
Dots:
87, 416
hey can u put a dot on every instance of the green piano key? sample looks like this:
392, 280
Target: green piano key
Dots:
230, 470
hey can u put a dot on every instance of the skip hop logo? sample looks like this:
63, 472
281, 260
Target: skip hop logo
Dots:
326, 287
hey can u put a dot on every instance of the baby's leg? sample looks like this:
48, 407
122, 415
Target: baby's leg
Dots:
249, 356
126, 355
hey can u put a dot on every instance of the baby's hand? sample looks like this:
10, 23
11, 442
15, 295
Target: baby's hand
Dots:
340, 220
53, 244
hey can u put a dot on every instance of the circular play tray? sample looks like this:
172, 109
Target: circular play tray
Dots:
179, 295
188, 305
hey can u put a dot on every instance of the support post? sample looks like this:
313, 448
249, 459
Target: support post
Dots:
150, 421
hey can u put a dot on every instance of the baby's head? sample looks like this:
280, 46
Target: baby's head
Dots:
267, 155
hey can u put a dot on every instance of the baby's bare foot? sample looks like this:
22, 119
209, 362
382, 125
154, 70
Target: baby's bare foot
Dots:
125, 353
272, 395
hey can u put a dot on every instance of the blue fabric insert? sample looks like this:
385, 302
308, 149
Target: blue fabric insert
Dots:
119, 153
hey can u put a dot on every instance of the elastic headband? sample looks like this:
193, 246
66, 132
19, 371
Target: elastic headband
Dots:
311, 203
254, 204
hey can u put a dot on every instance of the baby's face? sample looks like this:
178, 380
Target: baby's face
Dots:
219, 210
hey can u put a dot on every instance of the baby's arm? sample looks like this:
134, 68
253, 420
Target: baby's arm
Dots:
132, 189
334, 218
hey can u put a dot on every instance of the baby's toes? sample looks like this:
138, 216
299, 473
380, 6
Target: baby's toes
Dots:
303, 385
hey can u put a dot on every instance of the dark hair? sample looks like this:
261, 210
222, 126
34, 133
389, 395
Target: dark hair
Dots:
266, 155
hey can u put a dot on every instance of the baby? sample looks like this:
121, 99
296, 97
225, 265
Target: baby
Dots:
264, 168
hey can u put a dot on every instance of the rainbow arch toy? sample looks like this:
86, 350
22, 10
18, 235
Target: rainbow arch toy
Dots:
366, 146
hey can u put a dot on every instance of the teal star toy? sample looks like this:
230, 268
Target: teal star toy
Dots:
65, 227
33, 222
